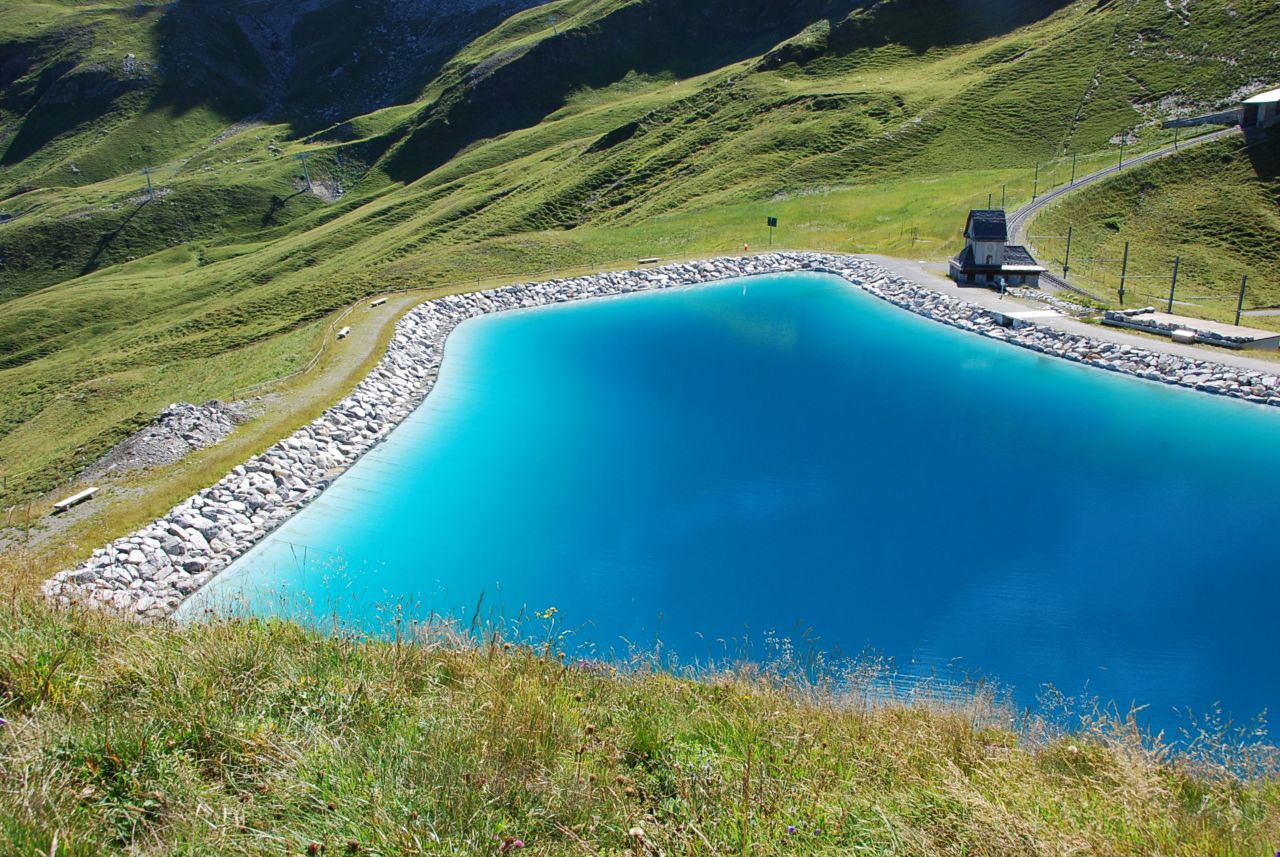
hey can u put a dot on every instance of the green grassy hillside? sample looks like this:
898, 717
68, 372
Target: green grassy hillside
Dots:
235, 738
627, 128
1217, 207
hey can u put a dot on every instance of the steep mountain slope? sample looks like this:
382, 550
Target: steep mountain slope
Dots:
111, 87
577, 132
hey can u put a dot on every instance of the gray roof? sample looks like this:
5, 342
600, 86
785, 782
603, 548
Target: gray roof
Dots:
986, 224
1015, 256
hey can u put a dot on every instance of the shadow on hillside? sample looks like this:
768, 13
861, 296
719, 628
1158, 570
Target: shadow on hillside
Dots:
75, 99
208, 61
928, 24
275, 206
651, 37
335, 61
682, 39
1264, 156
105, 242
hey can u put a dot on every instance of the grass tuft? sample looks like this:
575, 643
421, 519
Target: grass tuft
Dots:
260, 737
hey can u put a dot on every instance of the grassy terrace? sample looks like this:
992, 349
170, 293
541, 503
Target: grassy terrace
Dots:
247, 738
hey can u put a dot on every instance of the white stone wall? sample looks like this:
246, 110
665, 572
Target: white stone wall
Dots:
149, 573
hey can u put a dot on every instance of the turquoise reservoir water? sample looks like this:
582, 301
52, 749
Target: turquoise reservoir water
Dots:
703, 466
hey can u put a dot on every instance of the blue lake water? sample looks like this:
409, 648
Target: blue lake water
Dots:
703, 466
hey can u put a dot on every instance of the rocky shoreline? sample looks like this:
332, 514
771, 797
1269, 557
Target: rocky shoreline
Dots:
151, 572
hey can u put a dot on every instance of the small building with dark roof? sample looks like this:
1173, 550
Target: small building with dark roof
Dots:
988, 257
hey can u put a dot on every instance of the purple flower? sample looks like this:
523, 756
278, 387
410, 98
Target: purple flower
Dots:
791, 828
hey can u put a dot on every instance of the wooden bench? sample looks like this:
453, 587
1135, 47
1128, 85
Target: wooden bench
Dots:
344, 333
74, 500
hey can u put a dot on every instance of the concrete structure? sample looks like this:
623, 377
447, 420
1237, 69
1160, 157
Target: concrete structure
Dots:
1261, 111
1183, 329
989, 259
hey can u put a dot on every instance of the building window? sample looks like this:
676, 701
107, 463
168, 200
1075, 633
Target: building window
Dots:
988, 258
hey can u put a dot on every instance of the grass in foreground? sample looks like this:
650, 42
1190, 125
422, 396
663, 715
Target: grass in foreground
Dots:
262, 738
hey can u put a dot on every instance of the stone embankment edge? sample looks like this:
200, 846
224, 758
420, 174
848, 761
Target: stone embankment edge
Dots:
152, 571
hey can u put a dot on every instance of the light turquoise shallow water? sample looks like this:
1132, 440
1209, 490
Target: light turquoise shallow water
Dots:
703, 466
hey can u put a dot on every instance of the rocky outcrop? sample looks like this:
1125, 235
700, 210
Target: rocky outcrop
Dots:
150, 572
178, 431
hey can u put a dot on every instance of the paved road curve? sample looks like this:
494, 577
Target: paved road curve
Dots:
1019, 219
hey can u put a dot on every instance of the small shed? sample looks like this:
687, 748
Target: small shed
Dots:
988, 257
1262, 110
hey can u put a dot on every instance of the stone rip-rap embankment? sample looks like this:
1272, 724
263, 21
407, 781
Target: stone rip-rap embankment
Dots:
150, 572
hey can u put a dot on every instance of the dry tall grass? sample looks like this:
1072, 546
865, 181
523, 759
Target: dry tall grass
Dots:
246, 737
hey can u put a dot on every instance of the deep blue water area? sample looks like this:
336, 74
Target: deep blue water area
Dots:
704, 466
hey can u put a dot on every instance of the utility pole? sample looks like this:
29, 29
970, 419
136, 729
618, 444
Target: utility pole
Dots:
1244, 282
1173, 286
1035, 190
1121, 153
1176, 129
151, 191
1074, 155
1004, 188
1124, 271
988, 202
1066, 261
306, 174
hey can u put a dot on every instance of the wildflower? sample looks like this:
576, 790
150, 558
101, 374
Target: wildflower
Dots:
511, 843
313, 849
3, 723
637, 832
791, 829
